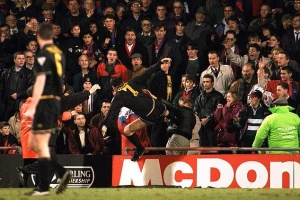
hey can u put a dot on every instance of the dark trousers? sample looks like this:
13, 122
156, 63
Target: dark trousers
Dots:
10, 109
158, 135
208, 137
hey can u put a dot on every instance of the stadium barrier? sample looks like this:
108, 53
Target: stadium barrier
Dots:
18, 148
204, 170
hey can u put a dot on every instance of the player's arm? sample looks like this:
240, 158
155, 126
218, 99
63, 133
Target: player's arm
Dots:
38, 89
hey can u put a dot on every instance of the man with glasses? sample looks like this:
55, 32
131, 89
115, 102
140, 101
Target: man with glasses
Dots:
146, 35
29, 60
134, 19
179, 12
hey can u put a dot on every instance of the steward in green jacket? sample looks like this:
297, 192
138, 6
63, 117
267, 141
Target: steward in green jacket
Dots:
282, 128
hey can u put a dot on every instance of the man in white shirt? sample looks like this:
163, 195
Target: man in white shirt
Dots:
223, 74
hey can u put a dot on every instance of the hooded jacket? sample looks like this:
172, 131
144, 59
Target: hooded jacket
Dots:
282, 129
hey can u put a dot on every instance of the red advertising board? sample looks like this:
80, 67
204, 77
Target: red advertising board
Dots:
220, 171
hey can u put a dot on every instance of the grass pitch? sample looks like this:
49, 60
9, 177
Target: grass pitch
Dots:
156, 194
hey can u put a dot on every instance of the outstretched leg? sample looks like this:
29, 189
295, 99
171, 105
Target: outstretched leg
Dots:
129, 132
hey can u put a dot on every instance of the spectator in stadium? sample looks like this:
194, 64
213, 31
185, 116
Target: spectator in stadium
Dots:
297, 6
194, 66
98, 118
205, 106
73, 16
282, 91
134, 17
11, 21
13, 85
228, 134
178, 43
222, 26
32, 45
23, 10
286, 74
223, 74
244, 85
156, 47
291, 40
58, 38
120, 13
191, 91
162, 87
199, 30
29, 60
178, 12
253, 56
180, 125
90, 48
230, 39
272, 42
281, 128
112, 68
265, 18
240, 35
147, 9
7, 139
137, 65
83, 61
251, 118
109, 34
90, 106
47, 13
72, 49
162, 18
283, 60
29, 33
128, 48
85, 139
7, 47
146, 35
89, 13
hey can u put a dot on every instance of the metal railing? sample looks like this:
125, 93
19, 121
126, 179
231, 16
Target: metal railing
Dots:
18, 148
208, 150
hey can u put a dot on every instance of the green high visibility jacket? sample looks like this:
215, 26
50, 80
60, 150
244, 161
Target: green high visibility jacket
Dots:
282, 129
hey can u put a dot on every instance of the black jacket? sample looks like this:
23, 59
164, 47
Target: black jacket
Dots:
182, 119
24, 81
206, 104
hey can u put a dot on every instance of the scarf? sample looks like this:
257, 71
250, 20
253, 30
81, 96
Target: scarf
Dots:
89, 48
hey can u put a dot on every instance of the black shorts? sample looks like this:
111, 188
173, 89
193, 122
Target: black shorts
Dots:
46, 116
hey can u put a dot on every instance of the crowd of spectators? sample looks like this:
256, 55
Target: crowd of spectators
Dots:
232, 59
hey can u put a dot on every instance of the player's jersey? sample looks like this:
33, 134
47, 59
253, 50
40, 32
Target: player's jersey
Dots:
51, 61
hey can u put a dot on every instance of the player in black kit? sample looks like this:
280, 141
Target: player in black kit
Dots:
131, 95
45, 109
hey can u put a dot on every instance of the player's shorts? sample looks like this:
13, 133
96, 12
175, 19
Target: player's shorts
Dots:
158, 110
46, 116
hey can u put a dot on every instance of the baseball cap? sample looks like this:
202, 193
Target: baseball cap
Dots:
256, 93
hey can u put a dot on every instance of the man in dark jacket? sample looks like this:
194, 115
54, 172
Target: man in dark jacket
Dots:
13, 86
204, 107
181, 124
85, 139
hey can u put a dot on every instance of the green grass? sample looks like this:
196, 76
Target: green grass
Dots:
157, 194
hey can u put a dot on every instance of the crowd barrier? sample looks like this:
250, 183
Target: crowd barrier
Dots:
210, 170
